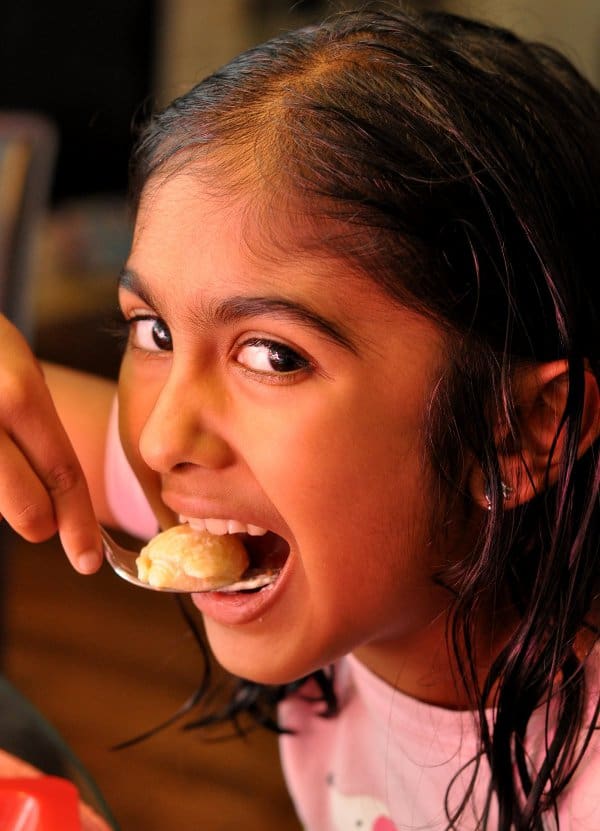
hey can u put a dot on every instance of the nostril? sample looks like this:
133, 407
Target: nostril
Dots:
176, 443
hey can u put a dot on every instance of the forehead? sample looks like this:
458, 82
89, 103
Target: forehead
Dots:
189, 223
268, 218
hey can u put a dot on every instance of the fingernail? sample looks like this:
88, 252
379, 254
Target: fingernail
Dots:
88, 562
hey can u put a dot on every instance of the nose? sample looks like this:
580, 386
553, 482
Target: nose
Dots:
184, 426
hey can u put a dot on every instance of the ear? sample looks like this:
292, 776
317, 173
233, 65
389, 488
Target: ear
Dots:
540, 394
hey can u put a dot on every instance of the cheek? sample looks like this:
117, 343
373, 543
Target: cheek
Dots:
352, 490
331, 462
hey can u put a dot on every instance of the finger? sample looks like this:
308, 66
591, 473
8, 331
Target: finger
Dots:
77, 525
24, 501
41, 438
64, 482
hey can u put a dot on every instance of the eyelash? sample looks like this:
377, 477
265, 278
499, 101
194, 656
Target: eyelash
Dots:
275, 347
158, 323
118, 328
277, 350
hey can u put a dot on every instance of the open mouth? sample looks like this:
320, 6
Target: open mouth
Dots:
267, 555
266, 552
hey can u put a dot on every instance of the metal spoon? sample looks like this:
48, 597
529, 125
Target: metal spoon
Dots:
122, 561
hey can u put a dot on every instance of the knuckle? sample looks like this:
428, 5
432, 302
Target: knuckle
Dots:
62, 479
16, 392
33, 522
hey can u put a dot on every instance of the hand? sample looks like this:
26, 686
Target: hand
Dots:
42, 486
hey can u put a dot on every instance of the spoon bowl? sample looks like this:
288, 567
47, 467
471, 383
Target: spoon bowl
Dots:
123, 562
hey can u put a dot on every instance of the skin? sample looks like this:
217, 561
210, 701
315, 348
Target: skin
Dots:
43, 485
328, 454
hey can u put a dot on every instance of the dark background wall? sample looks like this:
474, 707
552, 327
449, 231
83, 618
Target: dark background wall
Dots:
89, 65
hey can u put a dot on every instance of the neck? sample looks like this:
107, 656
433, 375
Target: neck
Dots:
424, 666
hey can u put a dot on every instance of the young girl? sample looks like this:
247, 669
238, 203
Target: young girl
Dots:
363, 325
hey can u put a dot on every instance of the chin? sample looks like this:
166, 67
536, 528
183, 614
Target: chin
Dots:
258, 672
257, 665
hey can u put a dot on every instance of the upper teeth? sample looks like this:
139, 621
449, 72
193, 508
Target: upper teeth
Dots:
223, 526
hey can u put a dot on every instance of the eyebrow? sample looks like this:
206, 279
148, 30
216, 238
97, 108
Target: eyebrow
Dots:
239, 307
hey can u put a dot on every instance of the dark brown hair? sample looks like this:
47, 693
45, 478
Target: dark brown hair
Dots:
458, 167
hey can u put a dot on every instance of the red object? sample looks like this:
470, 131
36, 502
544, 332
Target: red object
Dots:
384, 824
39, 803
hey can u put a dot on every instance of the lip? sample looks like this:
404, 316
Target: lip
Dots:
235, 609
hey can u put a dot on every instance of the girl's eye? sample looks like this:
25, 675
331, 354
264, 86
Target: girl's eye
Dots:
269, 357
150, 334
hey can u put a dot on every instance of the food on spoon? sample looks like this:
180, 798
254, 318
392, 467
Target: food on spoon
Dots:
183, 558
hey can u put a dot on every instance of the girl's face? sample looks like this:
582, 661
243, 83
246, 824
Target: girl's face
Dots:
288, 394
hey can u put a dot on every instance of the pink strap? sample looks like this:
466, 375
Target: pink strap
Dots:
125, 496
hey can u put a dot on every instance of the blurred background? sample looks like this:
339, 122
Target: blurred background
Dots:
100, 660
97, 69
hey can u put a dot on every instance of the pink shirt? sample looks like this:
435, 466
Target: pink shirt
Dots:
385, 762
124, 494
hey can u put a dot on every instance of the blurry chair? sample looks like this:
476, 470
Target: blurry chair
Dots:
28, 144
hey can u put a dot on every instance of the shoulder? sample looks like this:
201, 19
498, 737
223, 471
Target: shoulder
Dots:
581, 802
579, 807
339, 769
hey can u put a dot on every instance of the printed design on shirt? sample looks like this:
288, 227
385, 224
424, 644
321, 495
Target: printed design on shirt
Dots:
358, 813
